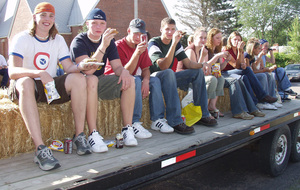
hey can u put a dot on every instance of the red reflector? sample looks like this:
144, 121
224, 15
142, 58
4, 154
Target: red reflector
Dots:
186, 156
264, 127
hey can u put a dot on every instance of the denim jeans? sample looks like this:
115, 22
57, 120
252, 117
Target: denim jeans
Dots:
267, 82
162, 85
283, 82
4, 73
240, 99
251, 82
196, 78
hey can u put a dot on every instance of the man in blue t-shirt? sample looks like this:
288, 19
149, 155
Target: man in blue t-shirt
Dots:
98, 43
163, 50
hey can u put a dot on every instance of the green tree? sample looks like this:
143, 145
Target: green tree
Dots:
208, 13
294, 34
267, 18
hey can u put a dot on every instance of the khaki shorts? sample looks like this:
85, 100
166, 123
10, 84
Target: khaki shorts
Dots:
40, 93
108, 87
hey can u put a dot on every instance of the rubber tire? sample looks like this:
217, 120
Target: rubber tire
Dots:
268, 147
295, 131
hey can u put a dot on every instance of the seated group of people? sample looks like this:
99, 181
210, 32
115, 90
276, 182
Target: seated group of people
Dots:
133, 69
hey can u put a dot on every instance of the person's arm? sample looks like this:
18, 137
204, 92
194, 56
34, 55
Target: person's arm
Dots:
145, 84
107, 37
17, 71
132, 63
123, 73
191, 61
165, 63
271, 59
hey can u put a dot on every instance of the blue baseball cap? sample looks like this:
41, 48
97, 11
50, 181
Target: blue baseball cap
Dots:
262, 41
96, 14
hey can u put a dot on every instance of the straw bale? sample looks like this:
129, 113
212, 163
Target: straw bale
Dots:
57, 122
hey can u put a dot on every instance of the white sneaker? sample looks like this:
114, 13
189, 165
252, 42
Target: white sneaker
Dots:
268, 106
140, 131
128, 136
277, 105
96, 142
162, 125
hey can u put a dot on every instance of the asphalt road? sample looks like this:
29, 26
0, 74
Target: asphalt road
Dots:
238, 170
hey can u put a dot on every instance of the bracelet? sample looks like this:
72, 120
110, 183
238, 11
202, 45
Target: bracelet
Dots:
101, 51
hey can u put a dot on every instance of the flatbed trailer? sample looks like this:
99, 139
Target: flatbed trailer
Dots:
164, 155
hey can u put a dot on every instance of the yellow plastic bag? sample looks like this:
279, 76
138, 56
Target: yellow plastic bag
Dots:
191, 112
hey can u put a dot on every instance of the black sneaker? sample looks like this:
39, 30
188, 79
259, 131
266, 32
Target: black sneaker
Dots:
80, 143
45, 159
184, 129
290, 92
207, 121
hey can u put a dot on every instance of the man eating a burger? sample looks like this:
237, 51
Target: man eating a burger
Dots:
98, 44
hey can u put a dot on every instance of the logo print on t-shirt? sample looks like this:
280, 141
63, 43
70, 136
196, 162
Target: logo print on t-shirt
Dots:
41, 60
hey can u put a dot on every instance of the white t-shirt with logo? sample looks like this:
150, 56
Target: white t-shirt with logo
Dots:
39, 55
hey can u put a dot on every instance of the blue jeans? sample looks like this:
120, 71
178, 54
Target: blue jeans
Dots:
251, 82
4, 73
240, 99
283, 82
162, 85
196, 78
268, 83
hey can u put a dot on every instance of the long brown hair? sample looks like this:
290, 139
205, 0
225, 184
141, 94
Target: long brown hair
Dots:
252, 44
232, 35
52, 32
209, 44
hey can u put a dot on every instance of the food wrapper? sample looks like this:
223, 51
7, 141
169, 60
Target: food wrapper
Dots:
51, 92
216, 69
109, 143
57, 145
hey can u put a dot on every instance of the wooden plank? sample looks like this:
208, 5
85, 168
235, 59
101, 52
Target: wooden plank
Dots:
21, 172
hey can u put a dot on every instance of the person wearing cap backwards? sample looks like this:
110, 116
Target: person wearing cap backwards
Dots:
33, 62
98, 43
283, 82
134, 57
163, 50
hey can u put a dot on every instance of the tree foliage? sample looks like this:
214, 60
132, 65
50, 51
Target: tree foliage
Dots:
294, 34
267, 18
208, 13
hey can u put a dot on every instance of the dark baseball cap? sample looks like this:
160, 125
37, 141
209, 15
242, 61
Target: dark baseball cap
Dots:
96, 14
137, 25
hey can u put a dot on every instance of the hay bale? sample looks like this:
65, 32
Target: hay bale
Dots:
57, 122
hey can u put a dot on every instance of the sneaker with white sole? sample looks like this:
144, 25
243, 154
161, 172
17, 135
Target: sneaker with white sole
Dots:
80, 144
128, 136
96, 142
266, 106
277, 105
140, 131
45, 159
162, 126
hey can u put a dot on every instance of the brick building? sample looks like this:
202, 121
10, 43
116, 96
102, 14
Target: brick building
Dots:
71, 14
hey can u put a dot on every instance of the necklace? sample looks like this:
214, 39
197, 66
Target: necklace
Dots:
94, 41
42, 38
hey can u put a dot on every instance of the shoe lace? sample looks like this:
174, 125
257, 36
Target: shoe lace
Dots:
163, 120
46, 153
82, 140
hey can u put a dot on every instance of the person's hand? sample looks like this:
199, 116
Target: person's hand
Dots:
145, 88
107, 36
141, 47
45, 77
223, 54
125, 77
241, 45
243, 65
217, 75
82, 66
176, 37
1, 67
